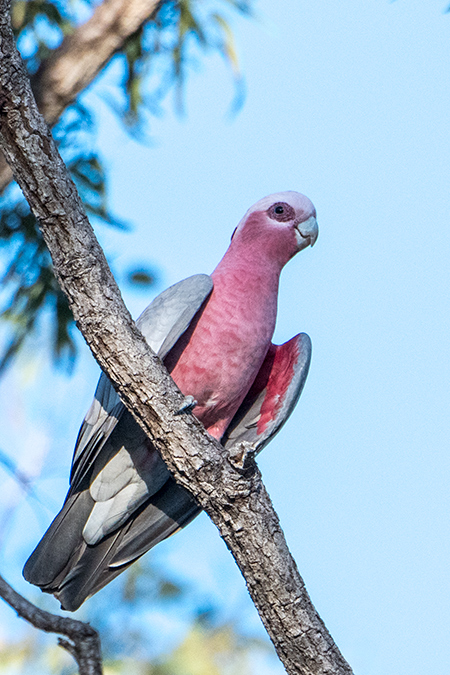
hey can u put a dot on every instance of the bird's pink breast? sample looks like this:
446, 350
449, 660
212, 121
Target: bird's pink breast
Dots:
218, 358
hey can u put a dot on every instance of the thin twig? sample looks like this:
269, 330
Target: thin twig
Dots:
83, 640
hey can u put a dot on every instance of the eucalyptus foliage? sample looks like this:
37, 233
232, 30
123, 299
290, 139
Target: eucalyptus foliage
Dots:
156, 59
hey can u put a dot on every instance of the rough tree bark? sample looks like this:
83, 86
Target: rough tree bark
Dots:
81, 56
233, 496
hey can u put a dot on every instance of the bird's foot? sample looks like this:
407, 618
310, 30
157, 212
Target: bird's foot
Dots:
242, 455
188, 405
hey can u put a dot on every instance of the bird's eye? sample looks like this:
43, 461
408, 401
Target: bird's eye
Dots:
281, 212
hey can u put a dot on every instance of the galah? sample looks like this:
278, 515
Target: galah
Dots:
214, 335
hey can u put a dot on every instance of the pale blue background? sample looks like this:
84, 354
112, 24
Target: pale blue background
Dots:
347, 102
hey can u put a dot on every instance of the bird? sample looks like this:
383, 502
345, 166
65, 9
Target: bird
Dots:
214, 335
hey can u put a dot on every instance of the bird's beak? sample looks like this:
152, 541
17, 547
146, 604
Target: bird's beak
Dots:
308, 231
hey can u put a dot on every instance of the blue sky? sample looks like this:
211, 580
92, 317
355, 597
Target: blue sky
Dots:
347, 102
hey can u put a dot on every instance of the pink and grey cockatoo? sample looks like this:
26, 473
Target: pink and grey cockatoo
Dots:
214, 335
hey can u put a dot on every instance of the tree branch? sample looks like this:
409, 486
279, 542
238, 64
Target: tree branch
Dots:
236, 501
83, 643
81, 56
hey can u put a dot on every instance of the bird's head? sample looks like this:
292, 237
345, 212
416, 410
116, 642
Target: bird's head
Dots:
281, 224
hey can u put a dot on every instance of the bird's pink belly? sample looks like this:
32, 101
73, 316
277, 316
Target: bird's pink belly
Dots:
218, 370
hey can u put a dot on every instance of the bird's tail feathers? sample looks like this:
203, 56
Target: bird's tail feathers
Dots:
55, 551
63, 564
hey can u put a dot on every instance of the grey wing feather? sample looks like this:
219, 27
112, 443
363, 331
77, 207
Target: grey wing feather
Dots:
123, 476
101, 419
168, 511
45, 566
274, 395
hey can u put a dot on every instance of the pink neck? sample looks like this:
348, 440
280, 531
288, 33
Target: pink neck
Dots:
252, 283
249, 264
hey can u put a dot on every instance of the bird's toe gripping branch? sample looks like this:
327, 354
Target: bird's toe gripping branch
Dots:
188, 405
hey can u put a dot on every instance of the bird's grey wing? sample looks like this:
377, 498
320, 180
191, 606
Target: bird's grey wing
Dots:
116, 470
274, 394
162, 323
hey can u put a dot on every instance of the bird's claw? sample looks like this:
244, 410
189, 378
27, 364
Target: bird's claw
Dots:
242, 455
188, 405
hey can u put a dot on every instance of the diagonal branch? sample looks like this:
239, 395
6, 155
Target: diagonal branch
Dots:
236, 501
83, 642
81, 56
